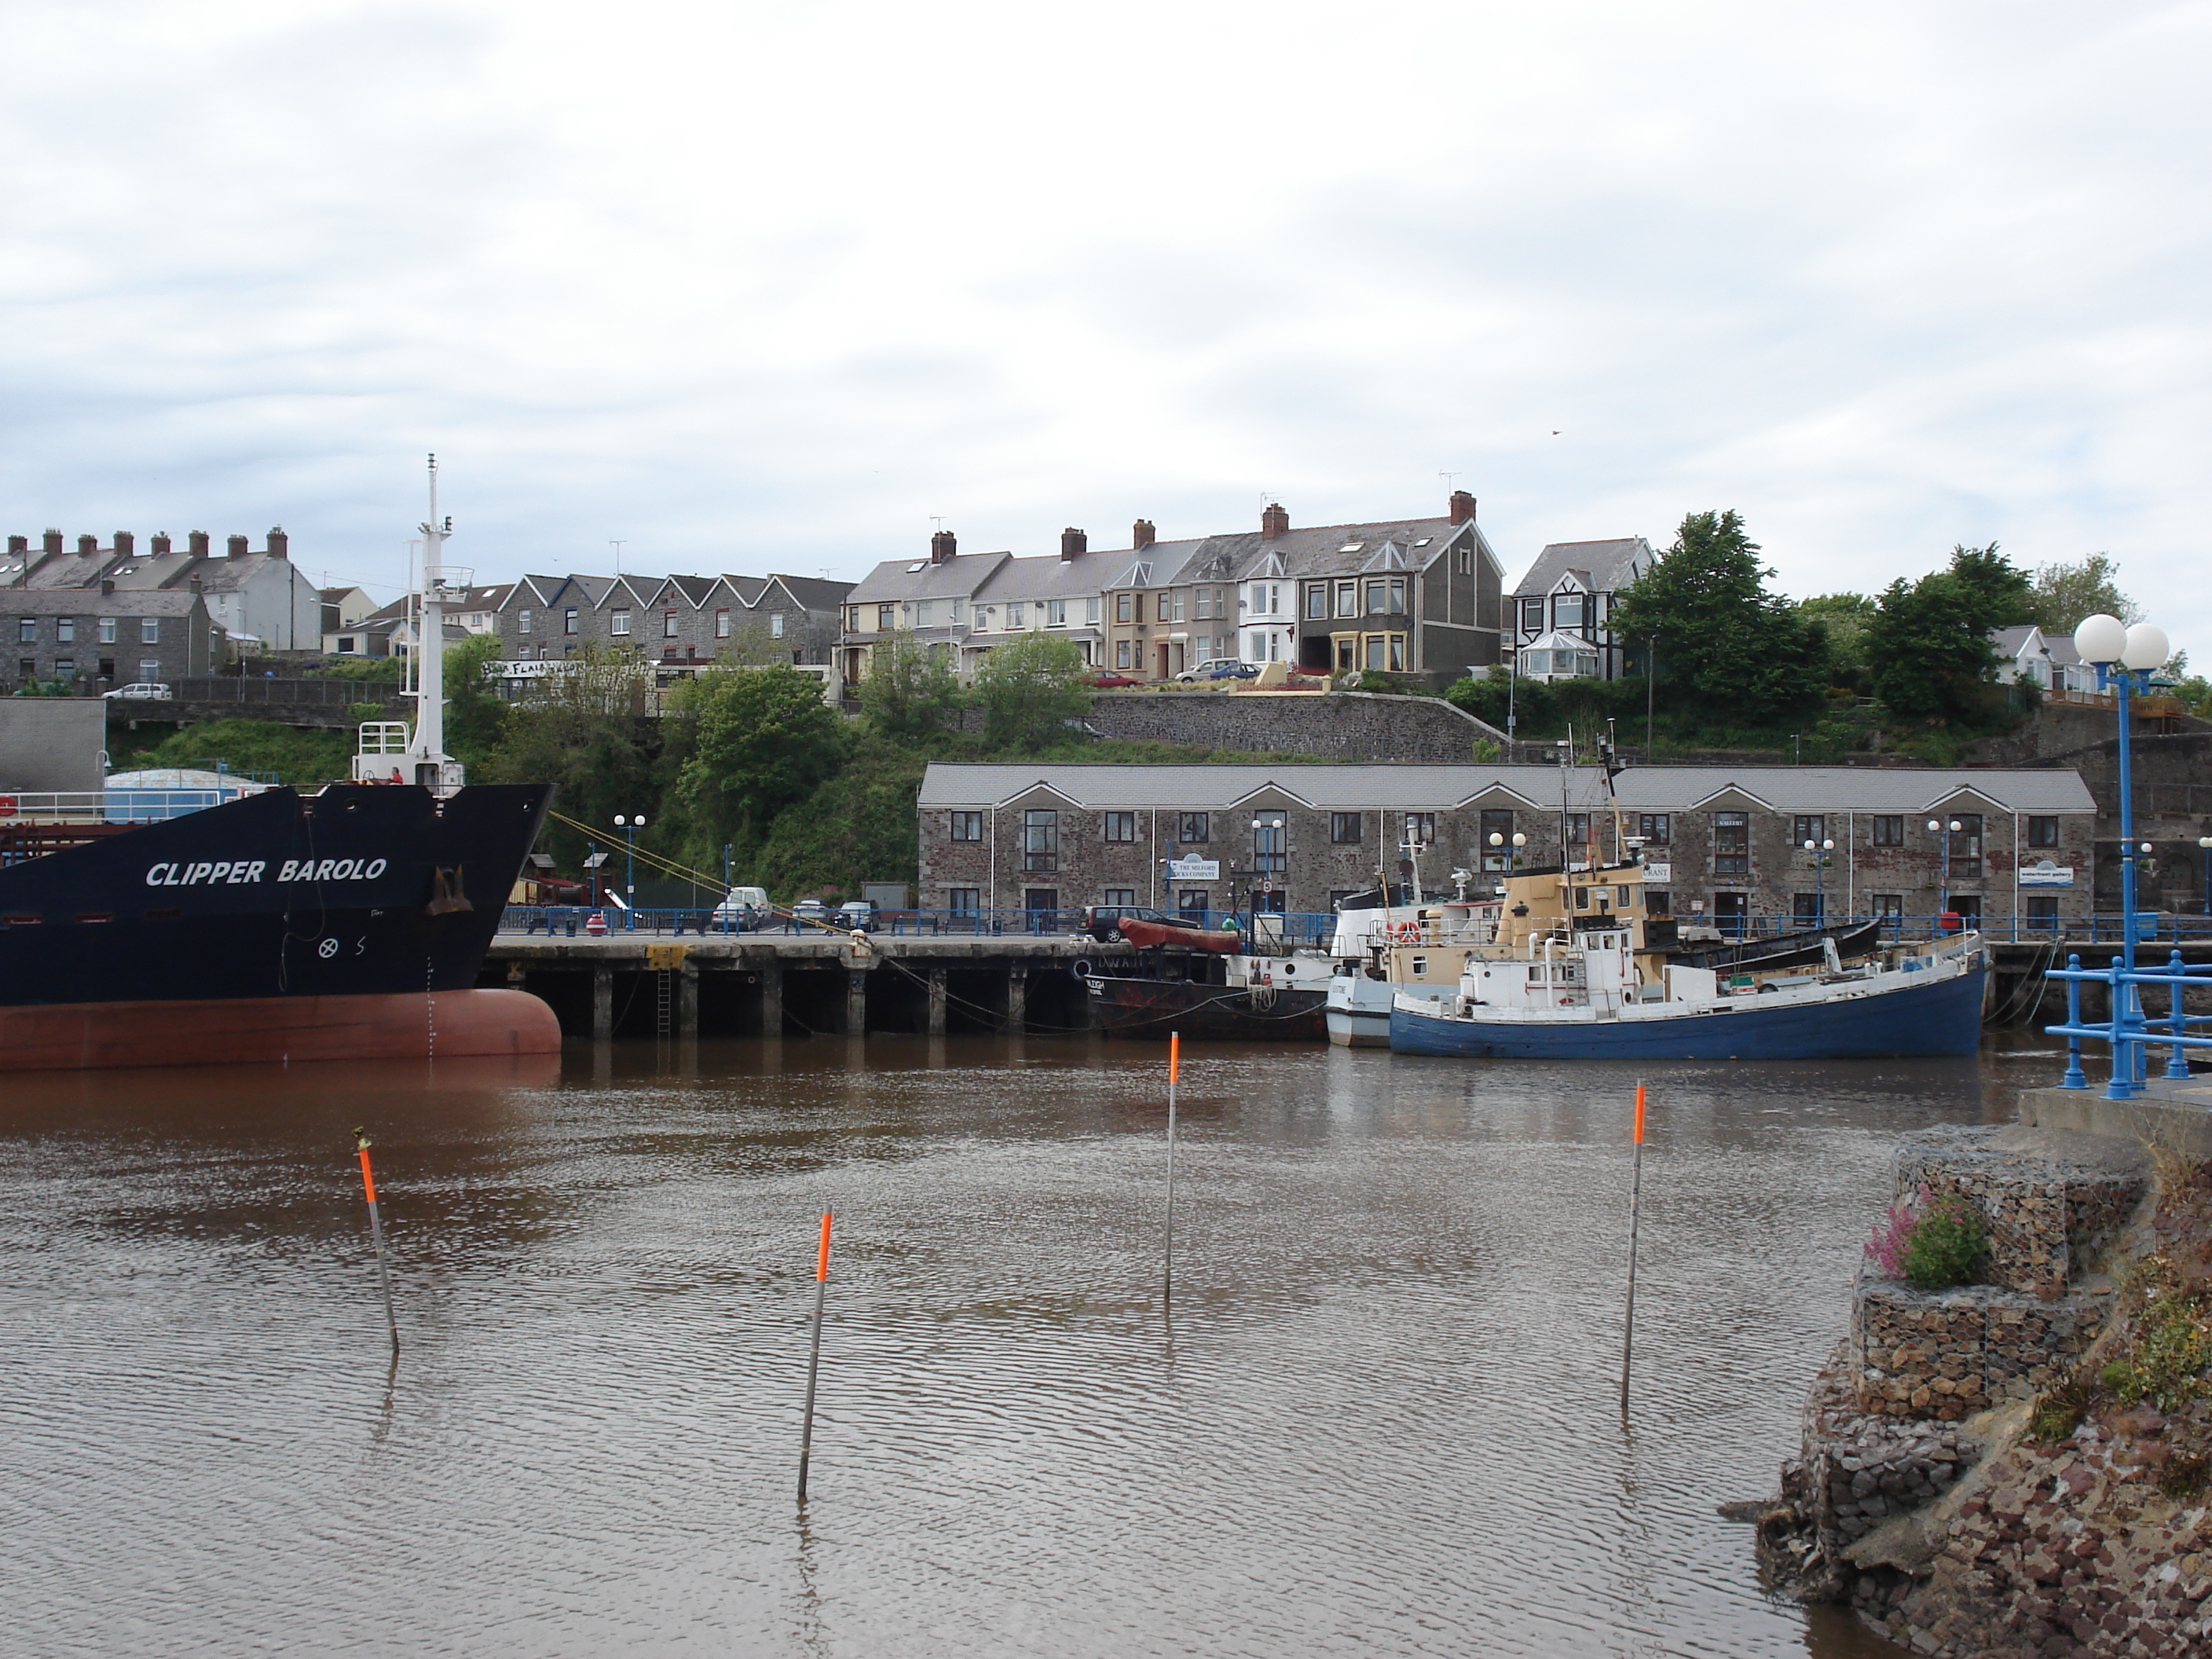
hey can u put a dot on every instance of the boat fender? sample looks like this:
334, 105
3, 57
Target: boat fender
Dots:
1081, 967
7, 806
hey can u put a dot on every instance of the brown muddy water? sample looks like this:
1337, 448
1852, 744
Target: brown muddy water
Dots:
1383, 1420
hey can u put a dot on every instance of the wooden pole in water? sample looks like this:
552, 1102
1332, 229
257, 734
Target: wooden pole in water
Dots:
814, 1361
376, 1236
1167, 1268
1635, 1205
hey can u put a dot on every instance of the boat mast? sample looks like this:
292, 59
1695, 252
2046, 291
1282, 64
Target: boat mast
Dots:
442, 584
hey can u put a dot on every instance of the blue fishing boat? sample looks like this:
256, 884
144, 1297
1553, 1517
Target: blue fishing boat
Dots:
1569, 975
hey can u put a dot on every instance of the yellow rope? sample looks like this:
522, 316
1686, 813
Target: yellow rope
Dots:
651, 861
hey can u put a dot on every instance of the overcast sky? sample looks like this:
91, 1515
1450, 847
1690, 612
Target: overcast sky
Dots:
768, 288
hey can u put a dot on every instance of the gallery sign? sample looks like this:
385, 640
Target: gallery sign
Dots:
2044, 873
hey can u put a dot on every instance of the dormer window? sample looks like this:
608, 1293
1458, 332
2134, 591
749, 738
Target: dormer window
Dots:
1567, 610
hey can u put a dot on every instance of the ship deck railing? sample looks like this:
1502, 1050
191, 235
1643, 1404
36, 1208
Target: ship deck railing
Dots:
124, 804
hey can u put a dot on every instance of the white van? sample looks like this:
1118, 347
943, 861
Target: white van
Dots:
746, 907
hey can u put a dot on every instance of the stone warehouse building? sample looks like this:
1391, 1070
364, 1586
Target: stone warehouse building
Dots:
1719, 843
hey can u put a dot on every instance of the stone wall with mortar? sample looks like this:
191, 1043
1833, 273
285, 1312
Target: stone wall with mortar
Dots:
1345, 726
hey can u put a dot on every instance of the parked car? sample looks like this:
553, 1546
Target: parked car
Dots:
857, 913
1110, 682
1103, 921
1220, 668
153, 690
745, 907
811, 909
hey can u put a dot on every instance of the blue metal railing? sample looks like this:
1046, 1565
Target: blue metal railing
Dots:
572, 920
2132, 1032
1315, 928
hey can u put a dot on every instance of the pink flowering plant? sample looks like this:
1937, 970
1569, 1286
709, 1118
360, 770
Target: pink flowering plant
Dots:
1893, 1235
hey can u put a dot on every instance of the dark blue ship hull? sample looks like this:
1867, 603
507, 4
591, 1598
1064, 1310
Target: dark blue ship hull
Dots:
362, 889
1941, 1019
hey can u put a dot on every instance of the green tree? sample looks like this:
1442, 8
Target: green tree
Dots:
1928, 643
587, 729
762, 740
1722, 640
2064, 593
1030, 688
1845, 617
476, 715
910, 690
303, 757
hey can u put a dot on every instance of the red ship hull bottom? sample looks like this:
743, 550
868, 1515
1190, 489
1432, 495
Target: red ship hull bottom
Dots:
408, 1025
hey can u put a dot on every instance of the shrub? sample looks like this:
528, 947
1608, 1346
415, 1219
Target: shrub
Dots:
1885, 1247
2185, 1478
2172, 1350
1949, 1244
2059, 1412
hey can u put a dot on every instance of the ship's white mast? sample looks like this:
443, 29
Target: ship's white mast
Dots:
442, 584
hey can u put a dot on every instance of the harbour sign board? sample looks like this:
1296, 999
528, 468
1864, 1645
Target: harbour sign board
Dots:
1194, 869
2044, 873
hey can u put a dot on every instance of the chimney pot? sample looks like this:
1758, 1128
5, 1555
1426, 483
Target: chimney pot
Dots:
53, 541
107, 588
1073, 543
1463, 506
1274, 522
238, 546
88, 543
161, 543
943, 547
1142, 534
280, 544
197, 544
125, 541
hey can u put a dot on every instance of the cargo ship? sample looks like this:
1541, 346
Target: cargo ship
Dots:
347, 925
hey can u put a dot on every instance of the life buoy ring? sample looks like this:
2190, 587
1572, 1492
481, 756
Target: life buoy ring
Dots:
7, 806
1080, 966
1406, 933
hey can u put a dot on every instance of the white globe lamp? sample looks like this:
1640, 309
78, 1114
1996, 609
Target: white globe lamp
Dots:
2146, 647
2100, 638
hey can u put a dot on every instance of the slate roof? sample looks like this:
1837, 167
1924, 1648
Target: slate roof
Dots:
895, 580
1443, 788
814, 592
1605, 565
91, 602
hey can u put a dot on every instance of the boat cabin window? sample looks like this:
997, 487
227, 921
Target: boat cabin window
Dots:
1420, 966
1581, 898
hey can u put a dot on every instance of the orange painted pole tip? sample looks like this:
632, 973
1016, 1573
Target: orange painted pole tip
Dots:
1175, 1053
822, 1259
1639, 1114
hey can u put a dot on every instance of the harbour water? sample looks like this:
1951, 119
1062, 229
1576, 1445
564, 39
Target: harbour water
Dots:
1383, 1419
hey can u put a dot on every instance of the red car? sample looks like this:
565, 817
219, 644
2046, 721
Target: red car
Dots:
1110, 682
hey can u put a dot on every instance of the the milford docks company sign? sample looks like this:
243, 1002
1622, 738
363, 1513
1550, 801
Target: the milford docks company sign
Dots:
1194, 868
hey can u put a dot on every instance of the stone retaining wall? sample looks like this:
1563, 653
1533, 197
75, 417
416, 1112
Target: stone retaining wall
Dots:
2047, 1219
1946, 1354
1342, 725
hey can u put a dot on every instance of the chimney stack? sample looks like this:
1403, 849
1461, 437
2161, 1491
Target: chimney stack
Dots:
943, 546
280, 544
19, 546
237, 546
161, 545
107, 588
125, 543
197, 544
1141, 537
53, 541
196, 584
88, 543
1274, 522
1074, 544
1463, 506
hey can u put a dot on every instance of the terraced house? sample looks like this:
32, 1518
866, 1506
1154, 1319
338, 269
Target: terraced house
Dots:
679, 622
259, 598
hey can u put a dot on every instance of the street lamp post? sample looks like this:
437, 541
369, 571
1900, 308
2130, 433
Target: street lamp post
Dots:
2205, 841
630, 827
1946, 830
1263, 873
725, 906
2125, 657
1819, 852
